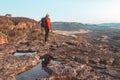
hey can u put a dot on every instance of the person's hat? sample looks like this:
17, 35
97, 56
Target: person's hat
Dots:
47, 15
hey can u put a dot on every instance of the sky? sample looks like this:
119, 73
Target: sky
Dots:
84, 11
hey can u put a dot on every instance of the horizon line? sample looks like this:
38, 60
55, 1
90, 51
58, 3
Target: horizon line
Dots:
66, 21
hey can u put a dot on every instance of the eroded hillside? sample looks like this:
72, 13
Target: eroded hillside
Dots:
79, 59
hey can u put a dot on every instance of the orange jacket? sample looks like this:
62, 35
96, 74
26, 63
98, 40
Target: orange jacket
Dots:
48, 23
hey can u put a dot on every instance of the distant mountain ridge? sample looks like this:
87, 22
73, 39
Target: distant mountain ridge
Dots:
110, 24
69, 26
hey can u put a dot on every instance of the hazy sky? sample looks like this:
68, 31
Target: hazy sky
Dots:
85, 11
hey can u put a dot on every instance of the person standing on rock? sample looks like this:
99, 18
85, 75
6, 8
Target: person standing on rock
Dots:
46, 24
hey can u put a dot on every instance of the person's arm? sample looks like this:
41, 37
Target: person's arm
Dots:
51, 26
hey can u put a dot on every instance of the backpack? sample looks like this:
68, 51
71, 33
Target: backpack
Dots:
43, 24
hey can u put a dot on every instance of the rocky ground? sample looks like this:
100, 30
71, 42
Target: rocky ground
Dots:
79, 59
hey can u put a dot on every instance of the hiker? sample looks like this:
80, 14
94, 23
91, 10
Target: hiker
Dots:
46, 24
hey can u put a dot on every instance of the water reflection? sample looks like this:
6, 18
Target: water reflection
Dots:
46, 61
38, 71
23, 53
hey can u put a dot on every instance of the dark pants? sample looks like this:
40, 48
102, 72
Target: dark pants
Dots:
46, 34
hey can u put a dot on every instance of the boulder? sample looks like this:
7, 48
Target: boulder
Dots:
3, 38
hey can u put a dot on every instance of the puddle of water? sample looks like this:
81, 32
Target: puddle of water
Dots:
37, 72
23, 53
55, 62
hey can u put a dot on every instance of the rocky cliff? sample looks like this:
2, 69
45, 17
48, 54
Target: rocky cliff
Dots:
79, 59
16, 27
17, 22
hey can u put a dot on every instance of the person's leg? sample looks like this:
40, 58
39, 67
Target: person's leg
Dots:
46, 34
